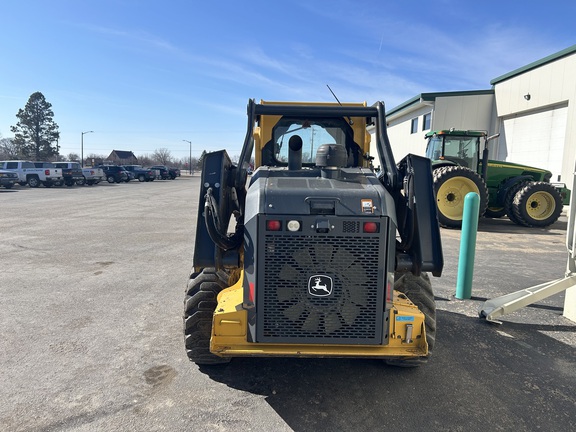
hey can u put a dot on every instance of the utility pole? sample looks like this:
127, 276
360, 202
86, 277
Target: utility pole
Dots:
82, 147
190, 161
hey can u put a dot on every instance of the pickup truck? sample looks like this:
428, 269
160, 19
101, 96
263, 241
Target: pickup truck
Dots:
142, 174
164, 172
8, 178
29, 174
71, 172
92, 176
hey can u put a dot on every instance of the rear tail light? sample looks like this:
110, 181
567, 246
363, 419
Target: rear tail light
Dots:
47, 172
273, 225
371, 227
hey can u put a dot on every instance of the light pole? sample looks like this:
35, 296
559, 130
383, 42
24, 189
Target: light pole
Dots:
190, 161
82, 147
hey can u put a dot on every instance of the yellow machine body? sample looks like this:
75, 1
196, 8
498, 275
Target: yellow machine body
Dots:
406, 333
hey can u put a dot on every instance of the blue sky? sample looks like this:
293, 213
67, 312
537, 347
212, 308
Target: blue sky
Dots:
145, 74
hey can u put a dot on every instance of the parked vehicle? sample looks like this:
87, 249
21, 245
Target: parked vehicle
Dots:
174, 172
92, 176
130, 174
142, 174
114, 173
71, 172
8, 178
157, 173
327, 259
461, 165
29, 174
164, 172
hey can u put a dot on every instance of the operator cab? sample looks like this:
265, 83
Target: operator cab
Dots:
313, 132
460, 149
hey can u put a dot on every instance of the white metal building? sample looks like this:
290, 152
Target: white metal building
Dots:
533, 108
409, 122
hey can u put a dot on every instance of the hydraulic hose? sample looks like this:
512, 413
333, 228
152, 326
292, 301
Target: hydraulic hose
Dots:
211, 219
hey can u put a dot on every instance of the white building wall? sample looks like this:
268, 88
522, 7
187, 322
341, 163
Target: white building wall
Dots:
550, 86
464, 113
402, 139
474, 112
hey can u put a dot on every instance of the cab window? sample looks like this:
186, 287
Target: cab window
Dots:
314, 133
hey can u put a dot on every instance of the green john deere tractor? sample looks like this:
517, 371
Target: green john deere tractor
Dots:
523, 193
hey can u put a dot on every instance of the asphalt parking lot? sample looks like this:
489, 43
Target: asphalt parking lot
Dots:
91, 288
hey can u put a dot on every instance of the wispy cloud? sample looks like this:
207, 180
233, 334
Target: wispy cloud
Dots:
140, 37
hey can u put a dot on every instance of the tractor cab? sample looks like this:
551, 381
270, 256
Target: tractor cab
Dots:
452, 147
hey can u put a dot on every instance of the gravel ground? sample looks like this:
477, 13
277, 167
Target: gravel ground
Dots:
91, 288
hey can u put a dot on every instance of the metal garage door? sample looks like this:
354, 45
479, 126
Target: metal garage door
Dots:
537, 139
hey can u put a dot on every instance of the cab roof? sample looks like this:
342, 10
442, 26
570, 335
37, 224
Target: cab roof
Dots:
472, 133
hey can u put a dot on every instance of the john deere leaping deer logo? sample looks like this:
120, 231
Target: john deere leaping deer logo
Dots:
320, 285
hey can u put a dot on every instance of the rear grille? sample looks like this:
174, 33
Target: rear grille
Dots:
351, 313
350, 227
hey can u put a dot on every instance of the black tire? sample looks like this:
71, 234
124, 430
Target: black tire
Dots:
47, 184
81, 182
59, 183
90, 182
8, 186
538, 204
509, 202
141, 178
111, 179
199, 306
451, 185
33, 181
495, 212
418, 289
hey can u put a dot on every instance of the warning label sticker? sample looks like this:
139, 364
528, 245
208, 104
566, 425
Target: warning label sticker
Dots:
367, 206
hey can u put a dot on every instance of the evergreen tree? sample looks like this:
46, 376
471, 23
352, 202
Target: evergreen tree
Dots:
36, 130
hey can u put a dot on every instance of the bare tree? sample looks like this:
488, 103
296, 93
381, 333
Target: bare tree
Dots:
9, 149
94, 159
145, 160
162, 156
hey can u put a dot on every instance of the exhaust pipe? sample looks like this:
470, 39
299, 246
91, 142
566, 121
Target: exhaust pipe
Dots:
295, 153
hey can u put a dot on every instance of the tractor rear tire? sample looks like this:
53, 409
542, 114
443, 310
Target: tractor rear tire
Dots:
199, 306
451, 185
418, 289
495, 212
538, 204
509, 202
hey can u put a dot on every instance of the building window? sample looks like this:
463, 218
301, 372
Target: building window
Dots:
426, 121
414, 125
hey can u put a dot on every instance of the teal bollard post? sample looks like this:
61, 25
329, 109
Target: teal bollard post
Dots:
467, 246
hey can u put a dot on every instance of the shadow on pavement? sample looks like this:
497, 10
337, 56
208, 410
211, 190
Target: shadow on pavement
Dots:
481, 377
505, 225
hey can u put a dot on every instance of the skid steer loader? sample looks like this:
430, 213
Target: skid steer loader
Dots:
313, 254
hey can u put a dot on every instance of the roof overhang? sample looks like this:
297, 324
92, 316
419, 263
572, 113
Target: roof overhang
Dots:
428, 99
553, 57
